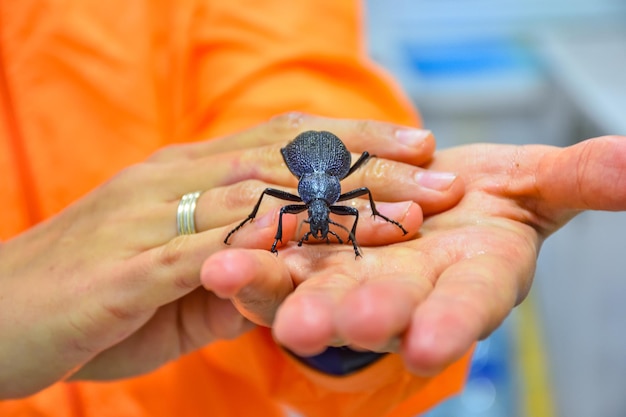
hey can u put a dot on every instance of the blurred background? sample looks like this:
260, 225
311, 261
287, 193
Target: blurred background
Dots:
529, 71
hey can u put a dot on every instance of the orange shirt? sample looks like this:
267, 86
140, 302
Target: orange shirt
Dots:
89, 87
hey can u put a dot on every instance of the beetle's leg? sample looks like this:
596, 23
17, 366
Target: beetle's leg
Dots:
362, 191
283, 195
365, 156
348, 211
290, 209
304, 238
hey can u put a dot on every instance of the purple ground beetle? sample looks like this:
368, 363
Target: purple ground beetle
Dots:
320, 161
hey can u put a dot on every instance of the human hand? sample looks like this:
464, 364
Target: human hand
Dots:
430, 298
107, 281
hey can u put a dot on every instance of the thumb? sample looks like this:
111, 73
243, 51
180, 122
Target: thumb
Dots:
590, 175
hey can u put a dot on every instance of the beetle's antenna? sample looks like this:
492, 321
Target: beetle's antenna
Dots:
351, 238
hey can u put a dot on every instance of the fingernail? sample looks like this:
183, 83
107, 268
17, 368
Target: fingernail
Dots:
411, 137
435, 180
394, 210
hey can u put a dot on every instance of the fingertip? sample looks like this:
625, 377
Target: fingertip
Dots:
420, 142
364, 318
403, 223
434, 341
387, 140
227, 271
408, 213
357, 318
405, 144
254, 280
439, 190
304, 325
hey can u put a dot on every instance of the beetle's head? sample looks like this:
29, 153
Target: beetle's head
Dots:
318, 219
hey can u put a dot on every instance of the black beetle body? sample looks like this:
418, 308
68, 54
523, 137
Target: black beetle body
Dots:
320, 161
317, 152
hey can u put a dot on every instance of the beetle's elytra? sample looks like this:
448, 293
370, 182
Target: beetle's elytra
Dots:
319, 160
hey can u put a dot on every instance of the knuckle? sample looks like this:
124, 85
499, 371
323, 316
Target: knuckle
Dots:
376, 171
171, 254
371, 131
243, 193
289, 122
268, 164
364, 126
168, 153
120, 312
144, 174
264, 156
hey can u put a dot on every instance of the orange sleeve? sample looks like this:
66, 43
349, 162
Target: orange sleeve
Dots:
252, 60
119, 79
249, 376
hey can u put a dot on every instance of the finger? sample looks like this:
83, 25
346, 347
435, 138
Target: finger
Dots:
470, 299
166, 273
590, 175
222, 206
215, 208
385, 140
434, 191
204, 318
392, 141
552, 182
376, 314
372, 230
305, 321
226, 206
255, 281
392, 179
183, 176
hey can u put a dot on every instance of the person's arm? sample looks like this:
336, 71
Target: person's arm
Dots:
91, 288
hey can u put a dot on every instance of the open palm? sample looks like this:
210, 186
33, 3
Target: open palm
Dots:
431, 297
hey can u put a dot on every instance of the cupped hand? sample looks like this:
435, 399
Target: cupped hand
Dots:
431, 297
106, 288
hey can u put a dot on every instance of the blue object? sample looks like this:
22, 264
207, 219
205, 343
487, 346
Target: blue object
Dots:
467, 57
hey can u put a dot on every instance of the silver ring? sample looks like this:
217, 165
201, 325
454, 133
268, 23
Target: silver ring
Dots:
185, 221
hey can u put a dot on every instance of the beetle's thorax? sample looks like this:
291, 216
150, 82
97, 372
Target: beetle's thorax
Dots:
319, 185
318, 218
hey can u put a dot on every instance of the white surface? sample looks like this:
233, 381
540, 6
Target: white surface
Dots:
581, 287
590, 67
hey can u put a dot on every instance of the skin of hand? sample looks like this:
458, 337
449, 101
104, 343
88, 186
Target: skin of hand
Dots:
105, 282
431, 297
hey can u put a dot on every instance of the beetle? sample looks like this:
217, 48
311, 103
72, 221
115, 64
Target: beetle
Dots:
319, 160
